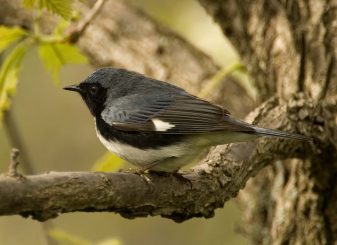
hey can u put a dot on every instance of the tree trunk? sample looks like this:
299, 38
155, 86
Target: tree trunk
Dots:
289, 46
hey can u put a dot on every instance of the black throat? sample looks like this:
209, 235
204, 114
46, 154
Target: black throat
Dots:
95, 103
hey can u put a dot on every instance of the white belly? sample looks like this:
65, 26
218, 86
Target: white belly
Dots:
142, 157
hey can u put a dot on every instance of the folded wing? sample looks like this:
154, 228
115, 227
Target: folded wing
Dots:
169, 114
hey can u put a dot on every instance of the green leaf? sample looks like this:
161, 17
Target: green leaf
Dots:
64, 237
62, 8
55, 55
61, 27
59, 7
28, 3
9, 35
9, 75
108, 163
218, 77
110, 241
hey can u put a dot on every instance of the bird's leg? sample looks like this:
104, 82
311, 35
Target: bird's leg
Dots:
145, 169
141, 169
142, 174
175, 173
148, 166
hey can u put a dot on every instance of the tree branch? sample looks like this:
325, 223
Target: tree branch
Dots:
78, 30
123, 36
15, 139
220, 177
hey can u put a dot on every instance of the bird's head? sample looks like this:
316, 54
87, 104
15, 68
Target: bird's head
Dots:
108, 84
94, 89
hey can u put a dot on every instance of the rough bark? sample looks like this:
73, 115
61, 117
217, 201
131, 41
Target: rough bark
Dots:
220, 177
288, 46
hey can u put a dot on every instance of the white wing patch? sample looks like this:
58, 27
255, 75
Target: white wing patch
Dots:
162, 126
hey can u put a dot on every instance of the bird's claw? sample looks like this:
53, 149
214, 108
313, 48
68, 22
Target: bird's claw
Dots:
145, 172
140, 172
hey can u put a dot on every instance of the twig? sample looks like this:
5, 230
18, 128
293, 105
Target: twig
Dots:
13, 165
46, 227
218, 77
76, 32
15, 139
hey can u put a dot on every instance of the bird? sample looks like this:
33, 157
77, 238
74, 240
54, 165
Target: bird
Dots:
156, 125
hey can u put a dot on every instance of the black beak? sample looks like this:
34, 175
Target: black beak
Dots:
75, 88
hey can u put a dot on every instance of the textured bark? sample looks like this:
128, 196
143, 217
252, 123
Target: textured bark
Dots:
220, 177
288, 46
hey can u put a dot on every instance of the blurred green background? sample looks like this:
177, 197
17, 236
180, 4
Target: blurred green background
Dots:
59, 135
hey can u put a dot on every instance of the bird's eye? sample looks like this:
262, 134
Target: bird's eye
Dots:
93, 90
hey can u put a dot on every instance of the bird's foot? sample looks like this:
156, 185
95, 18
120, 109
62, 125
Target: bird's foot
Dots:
145, 172
141, 172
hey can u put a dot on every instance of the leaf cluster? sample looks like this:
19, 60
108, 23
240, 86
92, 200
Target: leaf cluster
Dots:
64, 237
54, 50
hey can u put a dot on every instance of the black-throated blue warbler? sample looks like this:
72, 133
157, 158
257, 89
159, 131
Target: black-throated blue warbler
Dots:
156, 125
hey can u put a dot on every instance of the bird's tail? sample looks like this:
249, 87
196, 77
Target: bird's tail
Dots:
255, 130
282, 134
